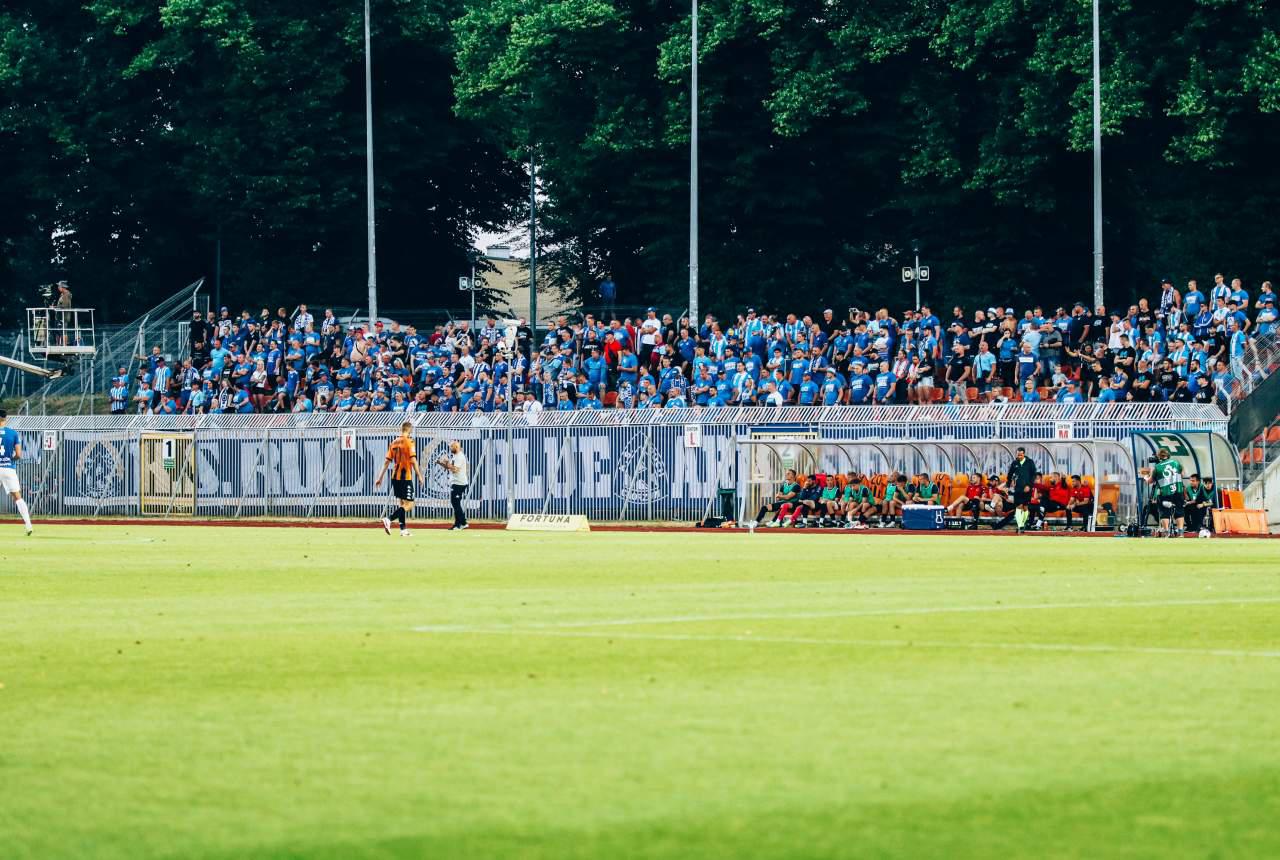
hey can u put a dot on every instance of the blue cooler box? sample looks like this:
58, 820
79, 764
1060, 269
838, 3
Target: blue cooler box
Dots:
923, 517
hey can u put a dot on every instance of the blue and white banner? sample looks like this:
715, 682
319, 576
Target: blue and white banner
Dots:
603, 473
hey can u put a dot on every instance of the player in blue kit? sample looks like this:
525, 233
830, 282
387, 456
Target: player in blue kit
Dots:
10, 453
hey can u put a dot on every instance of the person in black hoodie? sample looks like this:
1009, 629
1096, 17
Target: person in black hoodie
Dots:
1020, 477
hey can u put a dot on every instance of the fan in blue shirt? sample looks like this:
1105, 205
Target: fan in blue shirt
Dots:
885, 383
861, 384
831, 389
808, 390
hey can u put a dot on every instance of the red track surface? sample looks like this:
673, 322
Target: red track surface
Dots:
491, 526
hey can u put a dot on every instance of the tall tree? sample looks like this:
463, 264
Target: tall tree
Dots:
834, 132
146, 131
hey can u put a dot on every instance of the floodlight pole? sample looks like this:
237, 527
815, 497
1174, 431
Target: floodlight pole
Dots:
368, 157
917, 278
1097, 163
693, 172
471, 284
533, 251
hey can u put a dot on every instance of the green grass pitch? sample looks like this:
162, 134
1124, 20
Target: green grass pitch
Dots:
230, 693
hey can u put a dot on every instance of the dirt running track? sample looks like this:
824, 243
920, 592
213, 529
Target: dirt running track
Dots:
609, 527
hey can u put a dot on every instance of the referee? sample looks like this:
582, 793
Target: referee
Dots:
1021, 476
459, 477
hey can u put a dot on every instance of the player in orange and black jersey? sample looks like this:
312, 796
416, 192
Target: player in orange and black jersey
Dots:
402, 459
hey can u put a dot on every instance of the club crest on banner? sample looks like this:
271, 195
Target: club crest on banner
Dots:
437, 483
641, 475
99, 470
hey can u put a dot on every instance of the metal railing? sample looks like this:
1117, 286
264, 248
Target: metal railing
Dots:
636, 465
119, 345
1261, 359
60, 332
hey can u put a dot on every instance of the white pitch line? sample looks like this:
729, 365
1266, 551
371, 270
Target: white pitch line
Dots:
876, 643
850, 613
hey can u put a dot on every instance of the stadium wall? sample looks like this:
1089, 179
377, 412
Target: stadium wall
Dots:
614, 465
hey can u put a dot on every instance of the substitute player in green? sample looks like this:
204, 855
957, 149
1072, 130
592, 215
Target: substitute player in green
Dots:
1165, 478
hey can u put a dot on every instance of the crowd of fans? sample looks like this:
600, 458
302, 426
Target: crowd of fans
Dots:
1187, 345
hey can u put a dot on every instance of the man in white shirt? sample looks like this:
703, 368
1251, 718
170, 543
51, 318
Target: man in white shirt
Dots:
459, 477
648, 335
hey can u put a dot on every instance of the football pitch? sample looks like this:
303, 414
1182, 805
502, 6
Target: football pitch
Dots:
252, 692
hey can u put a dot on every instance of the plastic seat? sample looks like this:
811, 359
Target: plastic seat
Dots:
1273, 435
971, 394
1109, 495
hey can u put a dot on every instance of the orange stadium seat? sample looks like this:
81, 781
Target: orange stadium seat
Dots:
943, 480
1273, 435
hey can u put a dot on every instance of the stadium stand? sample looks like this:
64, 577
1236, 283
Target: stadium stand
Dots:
1183, 346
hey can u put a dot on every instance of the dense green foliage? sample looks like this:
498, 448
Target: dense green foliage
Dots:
137, 132
179, 692
833, 133
133, 133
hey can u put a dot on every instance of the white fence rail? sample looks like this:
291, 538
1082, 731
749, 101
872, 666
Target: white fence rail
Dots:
608, 465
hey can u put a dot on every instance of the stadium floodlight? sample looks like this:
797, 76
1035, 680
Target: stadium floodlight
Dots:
1097, 163
693, 168
368, 158
533, 248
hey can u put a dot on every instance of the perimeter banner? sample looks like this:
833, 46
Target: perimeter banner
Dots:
609, 473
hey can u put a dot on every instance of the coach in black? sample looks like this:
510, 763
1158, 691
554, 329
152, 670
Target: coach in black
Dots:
1020, 477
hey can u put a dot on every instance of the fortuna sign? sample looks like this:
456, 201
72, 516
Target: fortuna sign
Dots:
548, 523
